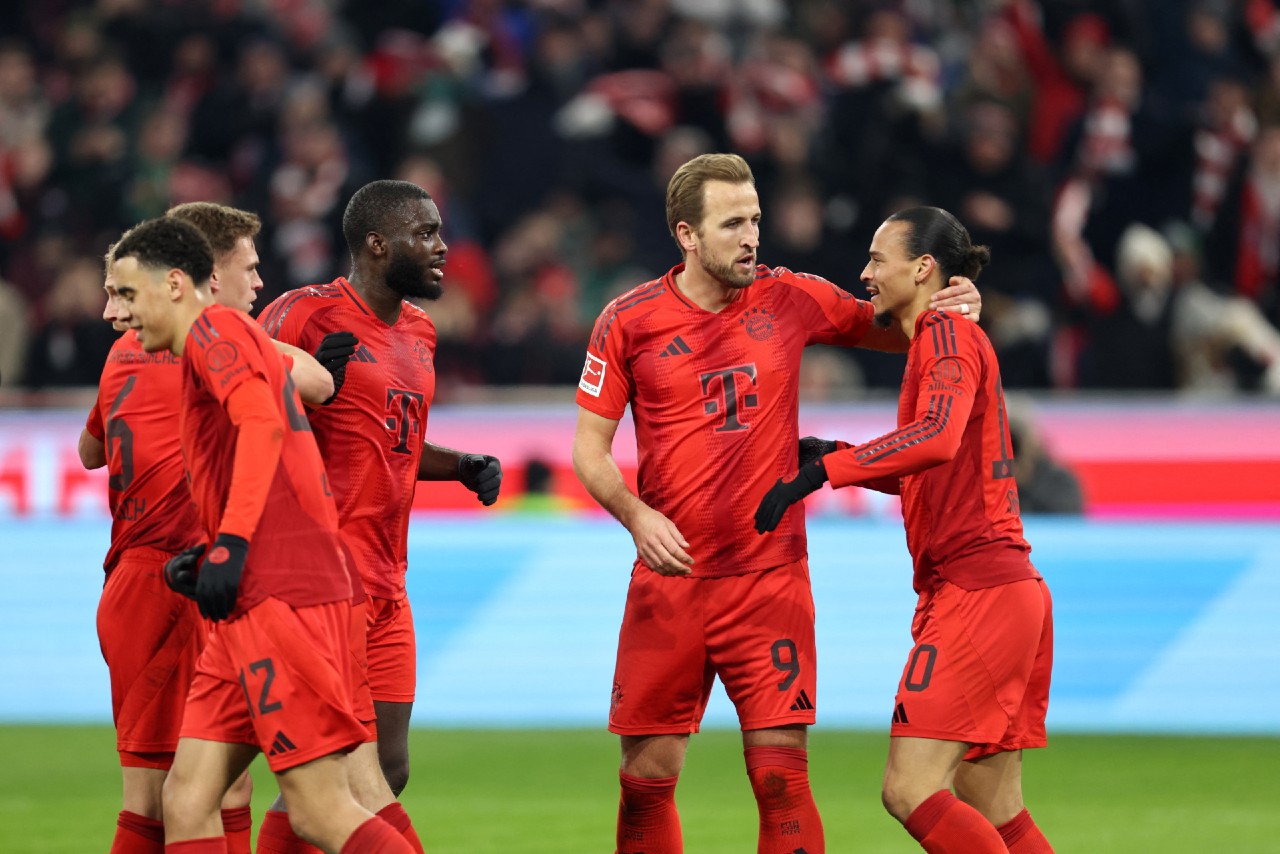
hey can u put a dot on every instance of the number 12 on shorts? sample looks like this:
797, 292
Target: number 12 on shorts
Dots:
264, 671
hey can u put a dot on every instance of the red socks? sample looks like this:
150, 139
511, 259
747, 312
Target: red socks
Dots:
1021, 836
789, 818
236, 823
647, 819
136, 834
208, 845
275, 836
375, 836
944, 824
394, 815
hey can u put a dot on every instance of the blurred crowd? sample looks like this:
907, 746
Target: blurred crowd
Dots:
1120, 157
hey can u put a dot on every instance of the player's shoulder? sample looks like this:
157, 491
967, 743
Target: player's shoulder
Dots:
948, 333
628, 308
788, 282
416, 314
301, 303
217, 323
636, 301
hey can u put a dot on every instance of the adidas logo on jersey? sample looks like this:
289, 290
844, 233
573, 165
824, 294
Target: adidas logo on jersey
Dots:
802, 703
281, 744
362, 354
677, 347
900, 715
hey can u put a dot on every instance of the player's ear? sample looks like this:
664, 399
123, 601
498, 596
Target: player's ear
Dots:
925, 266
173, 283
684, 236
376, 245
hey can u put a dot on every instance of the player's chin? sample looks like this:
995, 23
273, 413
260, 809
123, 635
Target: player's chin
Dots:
431, 290
883, 319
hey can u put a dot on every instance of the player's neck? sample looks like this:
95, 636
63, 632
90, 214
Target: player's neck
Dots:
911, 315
381, 300
184, 317
704, 290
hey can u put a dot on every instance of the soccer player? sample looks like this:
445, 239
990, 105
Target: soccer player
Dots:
372, 436
273, 675
707, 357
975, 688
150, 638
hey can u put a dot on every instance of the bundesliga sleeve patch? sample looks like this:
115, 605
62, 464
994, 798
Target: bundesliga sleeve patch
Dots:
593, 375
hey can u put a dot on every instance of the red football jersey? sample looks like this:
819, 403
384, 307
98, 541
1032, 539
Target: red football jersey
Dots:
134, 419
295, 553
715, 401
952, 451
371, 435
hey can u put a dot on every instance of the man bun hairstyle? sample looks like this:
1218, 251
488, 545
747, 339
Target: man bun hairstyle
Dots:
166, 243
372, 205
933, 231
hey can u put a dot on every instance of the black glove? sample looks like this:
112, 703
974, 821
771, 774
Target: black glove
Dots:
482, 474
788, 491
812, 448
219, 577
180, 571
332, 354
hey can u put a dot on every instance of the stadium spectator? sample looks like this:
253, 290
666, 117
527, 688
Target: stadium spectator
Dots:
70, 347
1045, 484
521, 105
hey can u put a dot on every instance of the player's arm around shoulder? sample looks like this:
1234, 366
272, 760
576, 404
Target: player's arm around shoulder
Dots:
658, 541
314, 383
960, 297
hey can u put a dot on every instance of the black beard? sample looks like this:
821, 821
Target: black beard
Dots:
883, 320
409, 279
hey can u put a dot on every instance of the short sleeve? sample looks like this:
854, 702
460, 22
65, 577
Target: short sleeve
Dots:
605, 385
93, 424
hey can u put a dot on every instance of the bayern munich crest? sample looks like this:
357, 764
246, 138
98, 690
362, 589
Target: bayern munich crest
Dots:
758, 322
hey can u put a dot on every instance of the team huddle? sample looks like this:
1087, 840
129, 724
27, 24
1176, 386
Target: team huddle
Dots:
261, 480
267, 479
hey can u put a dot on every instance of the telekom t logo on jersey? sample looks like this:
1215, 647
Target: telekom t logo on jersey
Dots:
729, 391
403, 408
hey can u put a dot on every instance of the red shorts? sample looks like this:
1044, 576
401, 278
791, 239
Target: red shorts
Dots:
150, 638
361, 699
980, 668
754, 631
392, 650
279, 678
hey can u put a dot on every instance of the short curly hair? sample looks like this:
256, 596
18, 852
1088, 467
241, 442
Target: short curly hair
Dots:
371, 205
168, 243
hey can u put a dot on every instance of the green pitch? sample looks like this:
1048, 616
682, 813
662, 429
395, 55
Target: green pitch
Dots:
548, 791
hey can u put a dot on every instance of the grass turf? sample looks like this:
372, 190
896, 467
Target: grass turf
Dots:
534, 791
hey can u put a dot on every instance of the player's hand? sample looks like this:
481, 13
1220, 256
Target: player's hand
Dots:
482, 474
787, 491
660, 544
812, 449
961, 296
180, 571
333, 353
219, 578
